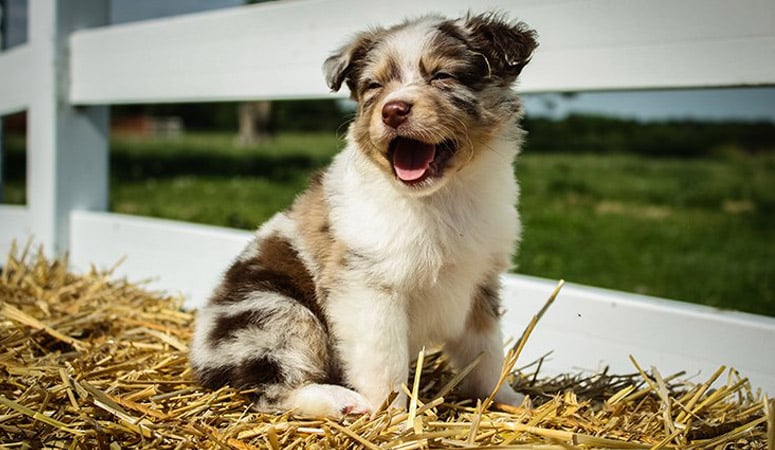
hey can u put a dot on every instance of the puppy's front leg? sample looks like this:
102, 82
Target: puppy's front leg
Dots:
484, 377
371, 327
483, 336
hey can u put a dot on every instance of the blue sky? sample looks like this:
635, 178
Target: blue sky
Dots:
749, 104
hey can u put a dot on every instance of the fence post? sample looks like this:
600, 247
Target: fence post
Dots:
67, 146
3, 20
2, 157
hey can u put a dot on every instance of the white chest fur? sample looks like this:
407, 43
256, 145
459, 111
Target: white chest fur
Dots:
433, 251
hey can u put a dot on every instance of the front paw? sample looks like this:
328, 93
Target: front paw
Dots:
400, 401
382, 400
507, 396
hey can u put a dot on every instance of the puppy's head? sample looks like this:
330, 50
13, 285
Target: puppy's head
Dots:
432, 92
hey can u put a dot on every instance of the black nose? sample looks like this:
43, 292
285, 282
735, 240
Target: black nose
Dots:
395, 113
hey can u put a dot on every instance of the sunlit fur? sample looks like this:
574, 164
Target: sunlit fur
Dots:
323, 312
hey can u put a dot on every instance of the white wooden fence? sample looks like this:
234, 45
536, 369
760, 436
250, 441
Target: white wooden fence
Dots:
73, 67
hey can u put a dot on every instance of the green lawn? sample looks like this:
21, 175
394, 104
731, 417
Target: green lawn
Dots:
693, 229
700, 230
205, 178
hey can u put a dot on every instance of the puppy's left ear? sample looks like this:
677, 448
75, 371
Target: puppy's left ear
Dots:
507, 46
345, 64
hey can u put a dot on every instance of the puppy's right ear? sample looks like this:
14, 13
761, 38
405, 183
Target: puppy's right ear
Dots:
346, 64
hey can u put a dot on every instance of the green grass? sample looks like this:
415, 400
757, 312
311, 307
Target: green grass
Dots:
205, 178
700, 230
695, 229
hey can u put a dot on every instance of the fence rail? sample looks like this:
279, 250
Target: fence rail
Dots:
586, 45
74, 66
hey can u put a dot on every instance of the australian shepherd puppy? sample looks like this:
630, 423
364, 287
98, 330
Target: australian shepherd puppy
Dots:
399, 244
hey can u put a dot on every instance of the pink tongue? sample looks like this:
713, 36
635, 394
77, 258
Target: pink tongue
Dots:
412, 158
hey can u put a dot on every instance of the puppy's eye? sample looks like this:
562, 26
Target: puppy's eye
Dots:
442, 76
371, 85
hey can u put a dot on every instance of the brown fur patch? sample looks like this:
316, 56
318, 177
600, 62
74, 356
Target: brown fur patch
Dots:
227, 325
252, 373
387, 69
275, 268
447, 53
485, 309
310, 211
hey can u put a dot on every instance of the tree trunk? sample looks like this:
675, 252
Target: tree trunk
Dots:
254, 122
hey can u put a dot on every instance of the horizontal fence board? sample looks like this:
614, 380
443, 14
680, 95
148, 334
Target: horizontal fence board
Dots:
181, 258
15, 76
675, 65
590, 328
586, 328
15, 225
275, 50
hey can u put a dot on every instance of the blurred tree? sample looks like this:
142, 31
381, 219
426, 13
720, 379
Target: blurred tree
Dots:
254, 122
254, 117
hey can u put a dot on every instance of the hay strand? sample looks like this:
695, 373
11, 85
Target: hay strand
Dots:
771, 424
414, 398
90, 361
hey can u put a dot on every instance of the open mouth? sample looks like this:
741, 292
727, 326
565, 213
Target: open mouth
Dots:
415, 161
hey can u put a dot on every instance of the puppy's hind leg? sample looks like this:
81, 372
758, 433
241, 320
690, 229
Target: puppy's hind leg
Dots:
275, 345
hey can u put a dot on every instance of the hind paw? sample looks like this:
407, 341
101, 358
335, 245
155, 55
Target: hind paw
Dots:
328, 400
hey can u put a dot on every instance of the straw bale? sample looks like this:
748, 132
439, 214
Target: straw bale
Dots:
91, 361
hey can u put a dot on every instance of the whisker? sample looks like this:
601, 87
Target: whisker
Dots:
340, 134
